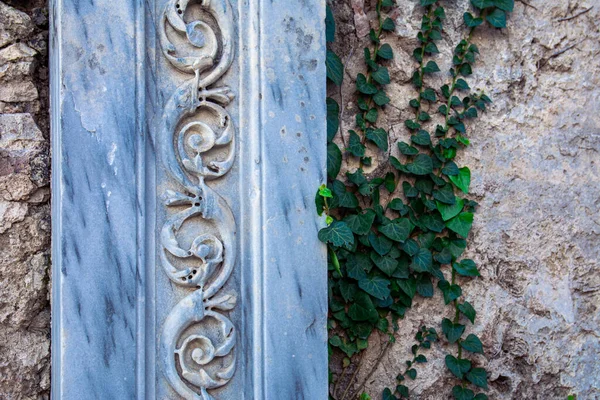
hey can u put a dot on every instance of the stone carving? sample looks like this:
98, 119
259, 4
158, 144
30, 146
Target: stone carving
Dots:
197, 144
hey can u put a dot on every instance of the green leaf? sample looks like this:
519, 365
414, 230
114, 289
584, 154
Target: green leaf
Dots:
343, 197
421, 358
380, 98
333, 118
329, 25
461, 84
467, 309
371, 115
421, 165
466, 268
461, 393
378, 136
386, 264
421, 138
433, 222
465, 69
388, 395
335, 69
458, 367
445, 194
450, 211
431, 67
431, 48
478, 377
452, 331
355, 270
376, 286
398, 230
470, 21
429, 95
390, 182
422, 261
407, 149
461, 224
337, 234
481, 4
385, 52
472, 344
483, 396
497, 18
462, 180
355, 147
425, 3
380, 244
334, 160
388, 25
381, 76
360, 223
506, 5
451, 293
363, 86
362, 309
412, 373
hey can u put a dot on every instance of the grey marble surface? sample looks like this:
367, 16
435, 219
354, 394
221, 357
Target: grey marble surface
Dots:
113, 298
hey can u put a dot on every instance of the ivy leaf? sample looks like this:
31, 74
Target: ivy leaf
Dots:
388, 25
371, 115
451, 293
386, 264
472, 344
445, 194
376, 286
452, 331
360, 223
380, 244
338, 234
329, 25
385, 52
497, 18
381, 76
429, 95
461, 84
421, 165
387, 395
411, 247
363, 86
467, 309
362, 309
334, 160
378, 136
335, 69
506, 5
380, 98
431, 67
478, 377
431, 48
421, 138
408, 286
433, 222
461, 224
425, 3
422, 261
412, 373
481, 4
461, 393
333, 118
466, 268
345, 199
407, 149
424, 287
355, 147
450, 211
470, 21
355, 270
458, 367
398, 230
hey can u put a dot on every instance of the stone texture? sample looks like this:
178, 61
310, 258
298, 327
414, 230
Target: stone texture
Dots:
535, 165
24, 209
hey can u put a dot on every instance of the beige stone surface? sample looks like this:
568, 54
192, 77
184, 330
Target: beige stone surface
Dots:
24, 207
535, 165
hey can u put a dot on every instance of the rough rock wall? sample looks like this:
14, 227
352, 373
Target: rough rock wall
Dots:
24, 202
535, 164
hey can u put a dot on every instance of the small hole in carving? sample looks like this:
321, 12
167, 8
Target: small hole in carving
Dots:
197, 204
194, 272
189, 253
179, 12
184, 279
177, 5
199, 197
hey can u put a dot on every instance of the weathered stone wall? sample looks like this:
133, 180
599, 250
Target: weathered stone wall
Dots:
535, 164
24, 202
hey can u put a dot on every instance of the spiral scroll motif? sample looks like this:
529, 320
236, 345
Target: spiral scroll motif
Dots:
197, 338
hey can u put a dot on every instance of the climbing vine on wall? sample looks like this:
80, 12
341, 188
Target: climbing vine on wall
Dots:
393, 237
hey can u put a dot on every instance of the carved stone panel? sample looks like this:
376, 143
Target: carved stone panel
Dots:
188, 143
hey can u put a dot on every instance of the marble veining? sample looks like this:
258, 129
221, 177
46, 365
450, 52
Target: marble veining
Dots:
188, 141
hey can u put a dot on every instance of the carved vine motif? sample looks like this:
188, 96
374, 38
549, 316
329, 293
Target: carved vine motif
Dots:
196, 343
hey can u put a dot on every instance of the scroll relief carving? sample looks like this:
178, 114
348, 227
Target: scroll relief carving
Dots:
196, 145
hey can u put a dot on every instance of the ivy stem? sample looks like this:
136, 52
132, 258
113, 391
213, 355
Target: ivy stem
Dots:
421, 70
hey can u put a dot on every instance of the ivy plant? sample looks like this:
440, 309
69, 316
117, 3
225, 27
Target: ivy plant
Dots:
393, 237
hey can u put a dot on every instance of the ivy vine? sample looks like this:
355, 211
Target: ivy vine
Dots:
392, 236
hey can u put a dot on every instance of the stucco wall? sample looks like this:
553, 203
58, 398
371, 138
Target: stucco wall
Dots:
24, 202
535, 164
